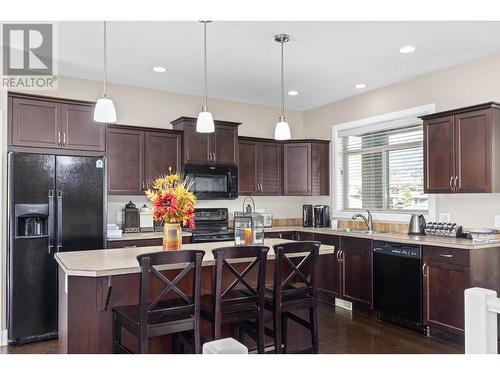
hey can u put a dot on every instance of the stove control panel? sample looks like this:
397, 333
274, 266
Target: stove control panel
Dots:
443, 229
211, 214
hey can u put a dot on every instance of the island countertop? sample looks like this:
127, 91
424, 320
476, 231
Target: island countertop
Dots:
110, 262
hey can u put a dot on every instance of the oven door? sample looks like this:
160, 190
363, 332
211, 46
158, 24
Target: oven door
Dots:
213, 182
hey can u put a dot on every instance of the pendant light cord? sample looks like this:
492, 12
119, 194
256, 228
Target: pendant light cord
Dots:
205, 57
282, 84
105, 62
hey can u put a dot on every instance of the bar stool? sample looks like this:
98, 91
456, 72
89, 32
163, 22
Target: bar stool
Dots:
157, 316
294, 291
230, 305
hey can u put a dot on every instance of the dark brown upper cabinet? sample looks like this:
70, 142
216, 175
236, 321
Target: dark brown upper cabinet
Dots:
40, 122
136, 155
306, 167
461, 150
220, 147
163, 152
260, 167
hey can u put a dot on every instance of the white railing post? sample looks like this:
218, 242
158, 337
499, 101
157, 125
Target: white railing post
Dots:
481, 308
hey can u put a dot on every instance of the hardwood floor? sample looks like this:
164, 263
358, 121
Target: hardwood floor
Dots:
340, 332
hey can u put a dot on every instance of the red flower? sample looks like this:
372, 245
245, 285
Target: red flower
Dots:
163, 206
191, 223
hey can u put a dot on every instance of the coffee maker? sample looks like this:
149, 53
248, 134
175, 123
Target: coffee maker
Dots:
321, 216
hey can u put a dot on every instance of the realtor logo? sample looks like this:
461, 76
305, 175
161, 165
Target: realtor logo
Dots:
28, 56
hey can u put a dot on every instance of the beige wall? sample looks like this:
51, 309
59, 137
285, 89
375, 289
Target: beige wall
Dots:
140, 106
461, 85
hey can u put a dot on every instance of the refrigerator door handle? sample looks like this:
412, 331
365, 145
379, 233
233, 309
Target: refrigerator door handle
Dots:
50, 228
59, 219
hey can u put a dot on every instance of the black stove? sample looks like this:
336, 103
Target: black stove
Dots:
211, 225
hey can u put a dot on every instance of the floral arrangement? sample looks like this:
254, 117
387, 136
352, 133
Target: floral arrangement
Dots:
172, 200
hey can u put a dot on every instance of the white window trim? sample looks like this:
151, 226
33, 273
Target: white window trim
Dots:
386, 120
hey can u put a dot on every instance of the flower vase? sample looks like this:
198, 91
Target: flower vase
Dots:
172, 236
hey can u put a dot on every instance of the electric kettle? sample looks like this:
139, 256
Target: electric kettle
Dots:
417, 225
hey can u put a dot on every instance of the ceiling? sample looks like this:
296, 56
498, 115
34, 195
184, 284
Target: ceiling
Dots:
323, 60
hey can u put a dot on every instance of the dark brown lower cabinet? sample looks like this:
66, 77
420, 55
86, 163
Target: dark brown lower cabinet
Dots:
329, 270
356, 266
446, 275
285, 235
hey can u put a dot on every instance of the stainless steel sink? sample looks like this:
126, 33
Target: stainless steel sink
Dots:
349, 230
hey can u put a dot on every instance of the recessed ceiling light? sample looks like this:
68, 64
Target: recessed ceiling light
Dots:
407, 49
360, 86
159, 69
293, 93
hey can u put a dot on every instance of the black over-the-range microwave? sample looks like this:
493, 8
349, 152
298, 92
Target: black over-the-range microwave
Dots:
213, 182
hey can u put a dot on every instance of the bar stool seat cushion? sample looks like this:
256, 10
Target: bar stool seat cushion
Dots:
294, 291
241, 300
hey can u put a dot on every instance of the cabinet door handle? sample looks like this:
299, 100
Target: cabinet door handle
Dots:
214, 159
455, 183
280, 236
424, 267
446, 255
451, 184
64, 138
59, 138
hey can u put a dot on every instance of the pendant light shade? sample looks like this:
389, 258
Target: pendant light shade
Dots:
205, 122
282, 130
104, 110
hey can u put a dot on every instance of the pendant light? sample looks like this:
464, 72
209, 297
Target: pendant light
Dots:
105, 109
282, 130
205, 122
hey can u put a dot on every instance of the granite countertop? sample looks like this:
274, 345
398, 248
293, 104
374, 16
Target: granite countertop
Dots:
143, 236
109, 262
429, 240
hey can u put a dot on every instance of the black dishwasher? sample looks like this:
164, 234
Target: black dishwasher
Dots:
397, 284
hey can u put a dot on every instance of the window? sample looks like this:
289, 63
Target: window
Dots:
381, 169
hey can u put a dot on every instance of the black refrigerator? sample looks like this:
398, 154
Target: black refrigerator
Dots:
56, 203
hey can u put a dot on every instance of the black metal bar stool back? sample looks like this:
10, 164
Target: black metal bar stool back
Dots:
156, 315
245, 303
296, 269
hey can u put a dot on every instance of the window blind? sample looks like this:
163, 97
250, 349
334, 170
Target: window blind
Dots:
381, 170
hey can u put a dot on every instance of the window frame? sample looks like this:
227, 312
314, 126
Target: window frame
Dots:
371, 124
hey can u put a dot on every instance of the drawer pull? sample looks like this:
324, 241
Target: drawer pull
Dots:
446, 255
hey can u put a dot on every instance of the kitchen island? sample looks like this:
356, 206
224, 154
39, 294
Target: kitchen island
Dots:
92, 282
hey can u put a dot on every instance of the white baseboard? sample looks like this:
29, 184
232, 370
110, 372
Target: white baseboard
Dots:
3, 338
343, 303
